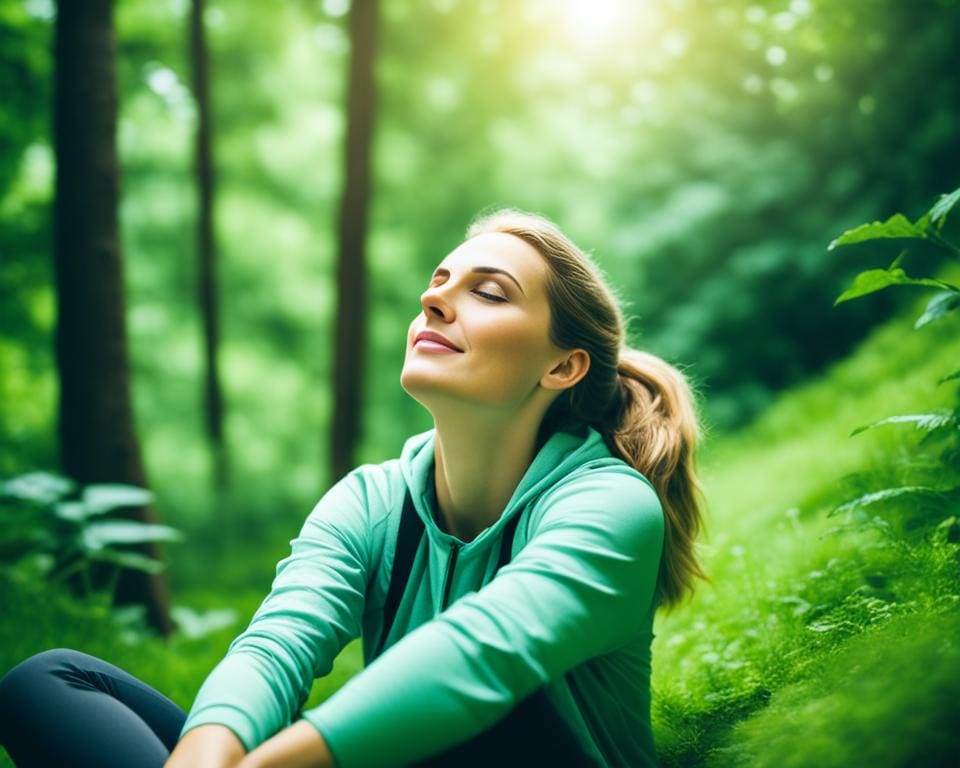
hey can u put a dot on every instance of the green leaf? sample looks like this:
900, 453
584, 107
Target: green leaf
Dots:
897, 226
885, 495
876, 523
950, 376
133, 560
196, 625
100, 499
75, 511
37, 564
38, 487
948, 529
927, 421
877, 279
947, 523
110, 532
941, 304
821, 626
943, 206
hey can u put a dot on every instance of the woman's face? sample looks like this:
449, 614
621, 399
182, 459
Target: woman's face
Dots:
486, 299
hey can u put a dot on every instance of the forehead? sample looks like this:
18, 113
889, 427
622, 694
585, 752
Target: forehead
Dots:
498, 249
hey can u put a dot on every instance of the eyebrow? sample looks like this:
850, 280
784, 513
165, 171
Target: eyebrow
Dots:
443, 272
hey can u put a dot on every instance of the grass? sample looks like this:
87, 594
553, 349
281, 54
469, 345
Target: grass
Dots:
886, 697
760, 660
809, 648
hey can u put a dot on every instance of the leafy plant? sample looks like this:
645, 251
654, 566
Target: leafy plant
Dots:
942, 423
51, 527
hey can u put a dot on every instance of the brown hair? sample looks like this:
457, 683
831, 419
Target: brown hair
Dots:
643, 406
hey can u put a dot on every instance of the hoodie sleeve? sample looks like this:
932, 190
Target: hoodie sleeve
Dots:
312, 611
581, 586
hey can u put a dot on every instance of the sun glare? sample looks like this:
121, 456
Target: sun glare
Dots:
594, 21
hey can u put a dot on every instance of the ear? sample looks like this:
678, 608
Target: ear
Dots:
569, 370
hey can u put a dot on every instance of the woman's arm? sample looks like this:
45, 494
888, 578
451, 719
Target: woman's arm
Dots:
314, 609
582, 586
207, 746
299, 746
216, 746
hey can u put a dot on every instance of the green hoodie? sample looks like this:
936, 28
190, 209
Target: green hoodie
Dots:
573, 611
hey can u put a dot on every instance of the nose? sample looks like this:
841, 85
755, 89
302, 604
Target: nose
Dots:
435, 304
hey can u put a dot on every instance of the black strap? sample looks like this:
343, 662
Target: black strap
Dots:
533, 733
408, 541
506, 543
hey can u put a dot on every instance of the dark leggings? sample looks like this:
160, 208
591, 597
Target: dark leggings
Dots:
68, 709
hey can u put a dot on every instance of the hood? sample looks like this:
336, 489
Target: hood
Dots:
563, 453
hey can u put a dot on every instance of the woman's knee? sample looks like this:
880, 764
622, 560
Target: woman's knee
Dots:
26, 674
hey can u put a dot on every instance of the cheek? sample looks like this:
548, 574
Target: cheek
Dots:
514, 353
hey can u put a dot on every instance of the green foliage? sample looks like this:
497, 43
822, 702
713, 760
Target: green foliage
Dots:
885, 495
950, 377
940, 306
52, 528
896, 227
922, 421
26, 172
888, 697
875, 680
24, 72
751, 657
39, 615
194, 624
877, 279
699, 170
943, 206
927, 229
942, 423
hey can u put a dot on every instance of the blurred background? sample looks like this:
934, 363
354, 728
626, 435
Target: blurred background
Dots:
704, 152
288, 175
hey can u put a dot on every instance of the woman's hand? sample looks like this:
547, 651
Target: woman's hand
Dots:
207, 746
216, 746
299, 746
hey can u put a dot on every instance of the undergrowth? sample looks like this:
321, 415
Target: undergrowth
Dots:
825, 639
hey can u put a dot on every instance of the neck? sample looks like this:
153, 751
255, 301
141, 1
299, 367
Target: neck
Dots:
480, 460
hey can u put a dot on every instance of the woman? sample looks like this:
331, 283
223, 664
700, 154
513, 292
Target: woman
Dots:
504, 572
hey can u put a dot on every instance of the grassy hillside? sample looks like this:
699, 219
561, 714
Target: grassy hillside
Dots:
815, 646
810, 647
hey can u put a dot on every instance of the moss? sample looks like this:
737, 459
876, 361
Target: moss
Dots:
889, 697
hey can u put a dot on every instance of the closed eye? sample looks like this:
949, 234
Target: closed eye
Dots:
489, 296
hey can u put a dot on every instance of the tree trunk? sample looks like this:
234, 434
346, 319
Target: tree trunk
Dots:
206, 247
97, 438
350, 321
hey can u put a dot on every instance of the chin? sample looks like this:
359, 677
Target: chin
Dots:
430, 390
419, 384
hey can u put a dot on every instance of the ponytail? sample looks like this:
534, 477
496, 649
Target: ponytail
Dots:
654, 428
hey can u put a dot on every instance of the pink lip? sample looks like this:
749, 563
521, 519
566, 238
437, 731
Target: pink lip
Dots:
428, 340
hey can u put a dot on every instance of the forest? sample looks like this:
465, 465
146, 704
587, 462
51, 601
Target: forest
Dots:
217, 219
